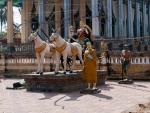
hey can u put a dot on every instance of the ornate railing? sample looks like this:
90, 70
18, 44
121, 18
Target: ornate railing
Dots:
139, 44
13, 49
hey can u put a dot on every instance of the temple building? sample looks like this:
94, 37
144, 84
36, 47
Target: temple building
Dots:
111, 19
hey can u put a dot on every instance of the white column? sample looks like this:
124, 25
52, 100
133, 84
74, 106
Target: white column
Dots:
66, 18
95, 18
120, 18
125, 20
129, 20
109, 19
137, 11
115, 11
26, 21
58, 16
144, 18
83, 10
149, 17
9, 22
41, 18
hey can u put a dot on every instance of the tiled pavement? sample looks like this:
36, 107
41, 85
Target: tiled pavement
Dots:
114, 98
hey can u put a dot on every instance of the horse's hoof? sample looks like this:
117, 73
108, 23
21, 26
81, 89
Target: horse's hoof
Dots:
71, 71
64, 72
56, 72
37, 72
41, 73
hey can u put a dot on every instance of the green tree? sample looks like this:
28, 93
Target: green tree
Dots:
3, 17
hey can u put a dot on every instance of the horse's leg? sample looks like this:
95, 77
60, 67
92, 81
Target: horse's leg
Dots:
57, 61
41, 63
80, 57
65, 61
38, 62
73, 63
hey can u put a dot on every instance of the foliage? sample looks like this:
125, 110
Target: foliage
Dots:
2, 34
3, 17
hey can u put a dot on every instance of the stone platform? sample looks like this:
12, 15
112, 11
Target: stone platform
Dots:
60, 82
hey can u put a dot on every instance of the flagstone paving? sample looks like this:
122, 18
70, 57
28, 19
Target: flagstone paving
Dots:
114, 98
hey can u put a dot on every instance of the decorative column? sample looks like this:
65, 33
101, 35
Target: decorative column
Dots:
129, 19
149, 17
26, 20
66, 18
58, 16
120, 18
47, 8
109, 18
125, 20
83, 10
95, 18
137, 11
9, 22
41, 19
144, 18
115, 12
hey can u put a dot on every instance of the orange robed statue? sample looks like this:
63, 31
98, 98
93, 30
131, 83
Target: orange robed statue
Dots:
89, 72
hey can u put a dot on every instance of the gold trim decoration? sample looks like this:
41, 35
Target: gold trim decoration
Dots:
52, 48
41, 48
61, 48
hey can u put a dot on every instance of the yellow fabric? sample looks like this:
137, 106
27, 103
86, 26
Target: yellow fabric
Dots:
41, 48
89, 72
61, 49
74, 50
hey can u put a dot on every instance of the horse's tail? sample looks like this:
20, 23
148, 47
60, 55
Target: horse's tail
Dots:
79, 47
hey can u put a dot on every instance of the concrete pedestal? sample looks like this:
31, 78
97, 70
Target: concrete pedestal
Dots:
60, 82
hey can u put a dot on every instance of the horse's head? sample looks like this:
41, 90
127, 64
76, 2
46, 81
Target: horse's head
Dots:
54, 37
32, 36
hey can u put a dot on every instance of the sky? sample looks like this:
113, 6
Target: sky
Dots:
17, 16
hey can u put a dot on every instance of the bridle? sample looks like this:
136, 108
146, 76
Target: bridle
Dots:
54, 38
35, 36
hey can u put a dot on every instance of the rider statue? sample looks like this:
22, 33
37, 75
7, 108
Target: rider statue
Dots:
84, 35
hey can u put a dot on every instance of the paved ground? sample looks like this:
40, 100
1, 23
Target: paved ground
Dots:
114, 98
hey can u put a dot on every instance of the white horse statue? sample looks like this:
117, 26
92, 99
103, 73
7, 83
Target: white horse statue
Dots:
42, 49
65, 49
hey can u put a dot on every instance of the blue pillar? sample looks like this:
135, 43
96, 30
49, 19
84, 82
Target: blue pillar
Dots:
129, 19
66, 18
95, 18
137, 11
149, 17
120, 18
109, 18
144, 18
41, 18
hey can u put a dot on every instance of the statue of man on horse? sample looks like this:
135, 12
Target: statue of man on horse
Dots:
84, 35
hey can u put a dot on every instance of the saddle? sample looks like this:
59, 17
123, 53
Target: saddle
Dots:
61, 48
41, 48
